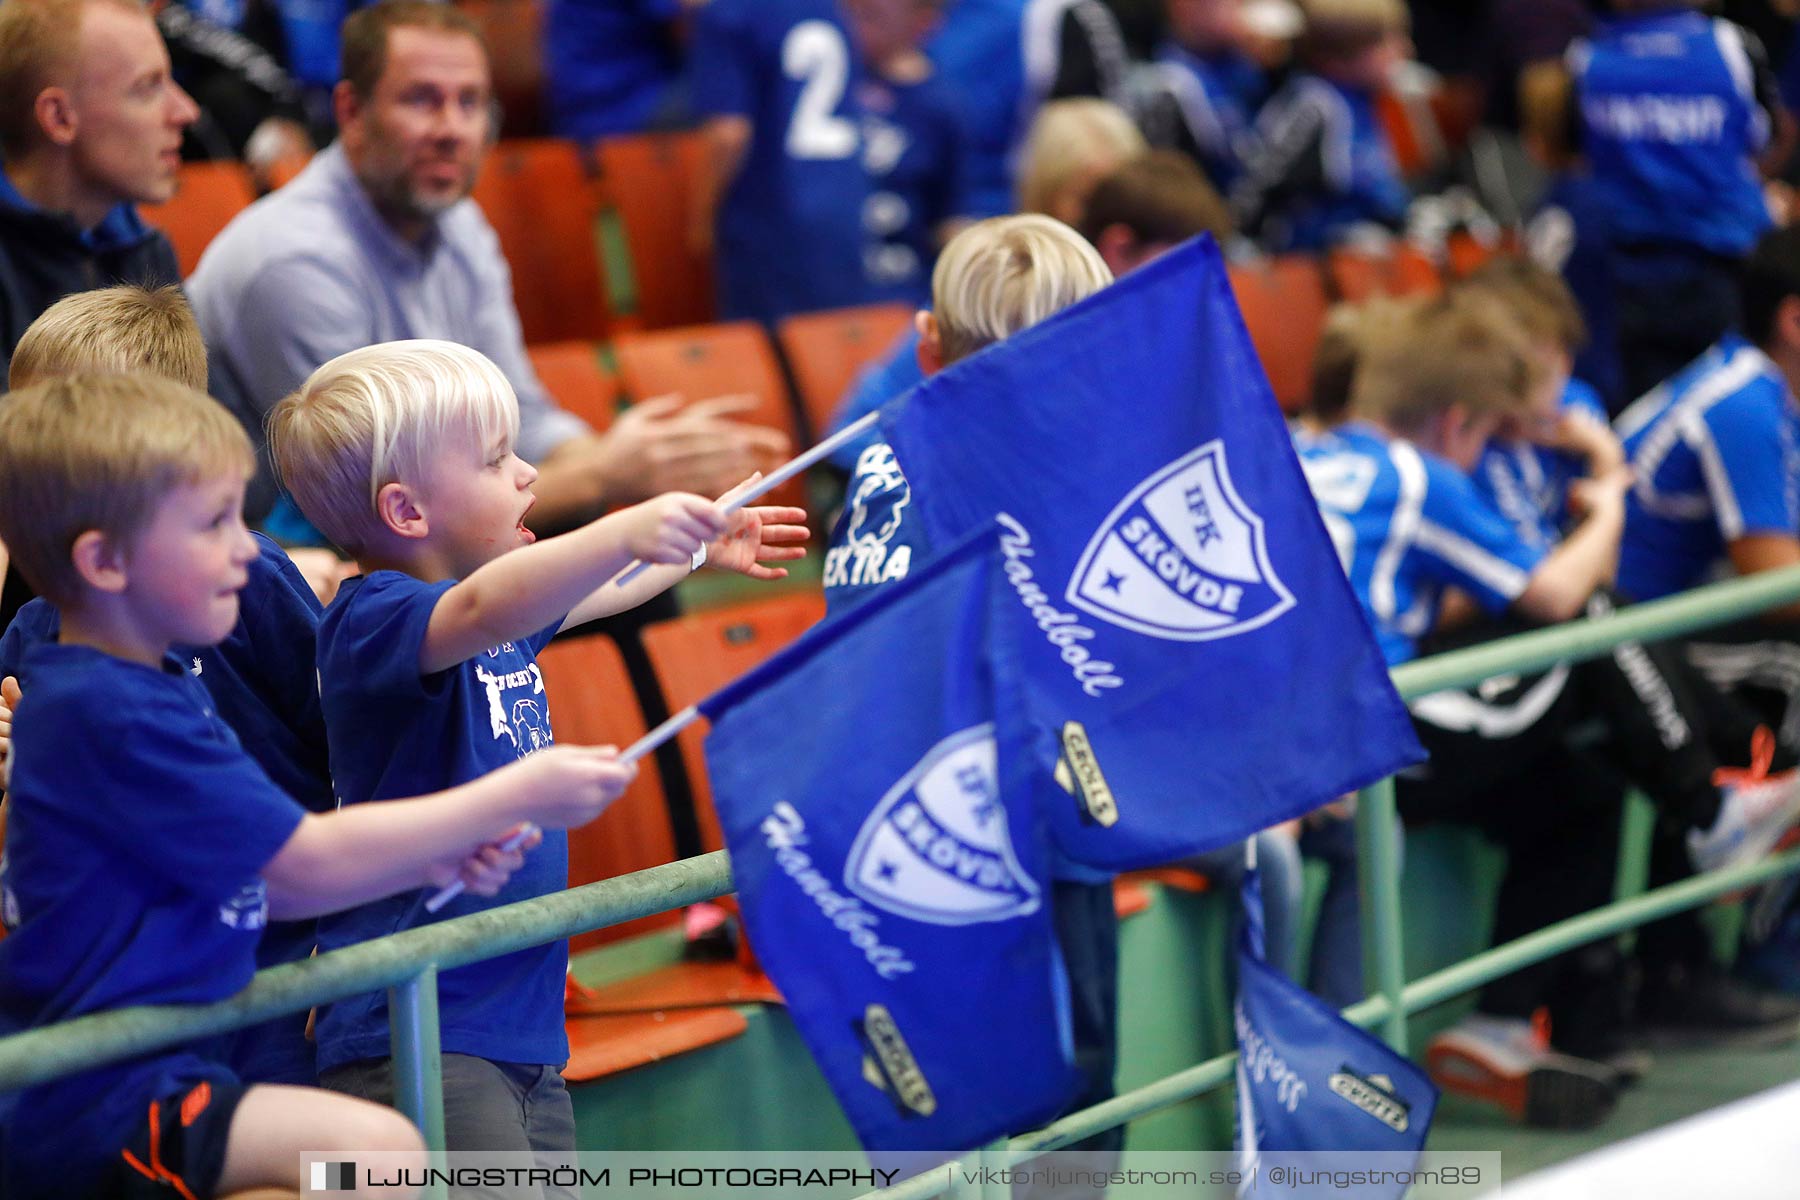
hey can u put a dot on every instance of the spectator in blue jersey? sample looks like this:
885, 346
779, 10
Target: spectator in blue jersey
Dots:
1674, 112
1073, 145
404, 455
778, 203
147, 851
1004, 60
913, 147
1202, 94
261, 678
614, 67
1317, 167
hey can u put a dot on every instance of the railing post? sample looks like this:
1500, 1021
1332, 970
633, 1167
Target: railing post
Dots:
1378, 876
418, 1061
1637, 827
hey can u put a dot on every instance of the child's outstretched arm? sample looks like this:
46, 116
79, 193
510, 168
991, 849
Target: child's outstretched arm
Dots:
340, 859
534, 586
756, 536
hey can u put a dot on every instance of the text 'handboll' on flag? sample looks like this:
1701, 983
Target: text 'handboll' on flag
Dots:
1314, 1091
891, 870
1182, 621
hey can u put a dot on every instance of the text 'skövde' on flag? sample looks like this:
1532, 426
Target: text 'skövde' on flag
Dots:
890, 867
1182, 620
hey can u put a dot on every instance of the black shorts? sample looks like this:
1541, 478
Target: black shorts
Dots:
179, 1149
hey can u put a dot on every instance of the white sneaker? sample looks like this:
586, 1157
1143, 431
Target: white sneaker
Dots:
1753, 816
1509, 1062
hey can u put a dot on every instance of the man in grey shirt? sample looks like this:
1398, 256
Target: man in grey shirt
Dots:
377, 241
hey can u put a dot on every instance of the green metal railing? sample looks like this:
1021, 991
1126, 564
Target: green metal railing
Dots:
407, 963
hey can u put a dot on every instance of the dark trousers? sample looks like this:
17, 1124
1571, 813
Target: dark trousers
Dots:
1539, 764
1672, 304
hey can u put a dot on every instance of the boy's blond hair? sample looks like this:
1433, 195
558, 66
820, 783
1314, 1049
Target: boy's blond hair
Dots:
1459, 349
1536, 296
114, 330
1347, 330
1070, 139
377, 416
1005, 274
100, 452
1337, 29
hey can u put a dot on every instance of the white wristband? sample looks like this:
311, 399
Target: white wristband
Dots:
699, 559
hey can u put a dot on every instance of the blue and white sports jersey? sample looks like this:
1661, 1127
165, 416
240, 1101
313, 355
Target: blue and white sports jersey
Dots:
789, 233
1218, 96
1317, 164
913, 151
395, 733
1529, 484
1406, 524
1671, 111
878, 537
1716, 451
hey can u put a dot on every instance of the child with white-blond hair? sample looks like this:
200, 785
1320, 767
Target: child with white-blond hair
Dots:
146, 852
403, 454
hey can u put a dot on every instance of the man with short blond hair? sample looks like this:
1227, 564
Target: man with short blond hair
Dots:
377, 241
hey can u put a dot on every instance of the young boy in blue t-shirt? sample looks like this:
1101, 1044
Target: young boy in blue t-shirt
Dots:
261, 677
403, 455
146, 852
1317, 164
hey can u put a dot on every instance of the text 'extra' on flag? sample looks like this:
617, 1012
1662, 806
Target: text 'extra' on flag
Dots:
1182, 621
891, 868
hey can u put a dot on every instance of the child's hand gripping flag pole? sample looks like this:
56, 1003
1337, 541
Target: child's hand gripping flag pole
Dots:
1181, 617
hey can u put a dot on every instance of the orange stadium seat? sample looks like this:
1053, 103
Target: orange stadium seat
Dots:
537, 195
695, 655
211, 193
592, 704
577, 381
1283, 302
1405, 271
1466, 254
703, 361
825, 350
646, 180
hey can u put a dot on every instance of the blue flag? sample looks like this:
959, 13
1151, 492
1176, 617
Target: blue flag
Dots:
890, 865
1309, 1082
1184, 626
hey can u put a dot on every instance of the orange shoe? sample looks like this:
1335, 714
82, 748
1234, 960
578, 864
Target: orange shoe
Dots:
1508, 1062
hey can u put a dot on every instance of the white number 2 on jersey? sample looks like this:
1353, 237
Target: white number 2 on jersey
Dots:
814, 52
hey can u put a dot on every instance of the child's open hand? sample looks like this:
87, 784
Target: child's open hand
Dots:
758, 535
668, 529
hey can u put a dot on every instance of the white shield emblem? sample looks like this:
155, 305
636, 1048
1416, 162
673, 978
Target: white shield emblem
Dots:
936, 848
1182, 557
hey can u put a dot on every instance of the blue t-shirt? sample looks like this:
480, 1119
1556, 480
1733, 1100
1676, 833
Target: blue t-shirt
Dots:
1528, 484
894, 374
913, 152
878, 537
394, 734
1716, 452
137, 836
264, 684
1671, 120
609, 65
1406, 524
1218, 95
789, 233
